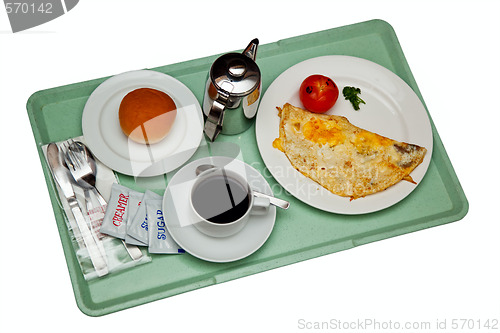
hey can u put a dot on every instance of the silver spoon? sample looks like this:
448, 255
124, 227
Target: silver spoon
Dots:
273, 200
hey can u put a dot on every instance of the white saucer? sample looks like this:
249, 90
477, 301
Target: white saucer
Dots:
180, 221
104, 137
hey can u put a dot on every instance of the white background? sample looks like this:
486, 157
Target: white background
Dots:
443, 273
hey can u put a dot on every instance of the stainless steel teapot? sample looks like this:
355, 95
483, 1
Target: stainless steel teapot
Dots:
232, 92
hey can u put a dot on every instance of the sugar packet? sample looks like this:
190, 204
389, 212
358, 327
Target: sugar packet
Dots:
138, 225
135, 199
115, 220
160, 240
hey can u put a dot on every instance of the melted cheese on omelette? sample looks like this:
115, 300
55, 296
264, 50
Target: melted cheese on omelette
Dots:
345, 159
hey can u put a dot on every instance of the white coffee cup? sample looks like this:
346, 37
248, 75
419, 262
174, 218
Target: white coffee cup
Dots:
221, 201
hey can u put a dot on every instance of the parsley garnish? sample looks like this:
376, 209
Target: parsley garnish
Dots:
351, 94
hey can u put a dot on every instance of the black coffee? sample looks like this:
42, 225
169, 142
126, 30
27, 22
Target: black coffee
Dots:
220, 199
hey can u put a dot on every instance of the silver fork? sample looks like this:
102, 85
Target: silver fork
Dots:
77, 170
78, 165
81, 170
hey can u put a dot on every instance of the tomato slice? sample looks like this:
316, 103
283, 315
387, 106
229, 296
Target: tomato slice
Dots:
318, 93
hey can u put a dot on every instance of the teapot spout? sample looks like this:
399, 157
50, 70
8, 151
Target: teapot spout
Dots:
251, 50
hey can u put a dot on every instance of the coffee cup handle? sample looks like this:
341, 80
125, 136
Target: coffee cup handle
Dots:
260, 206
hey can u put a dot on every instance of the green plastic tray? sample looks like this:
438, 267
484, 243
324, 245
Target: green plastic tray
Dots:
300, 233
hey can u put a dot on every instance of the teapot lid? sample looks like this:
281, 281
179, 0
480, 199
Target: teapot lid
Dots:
236, 74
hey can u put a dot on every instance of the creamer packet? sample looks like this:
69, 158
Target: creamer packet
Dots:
115, 220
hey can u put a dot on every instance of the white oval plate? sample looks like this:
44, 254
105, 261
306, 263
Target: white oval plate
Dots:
104, 137
180, 220
392, 109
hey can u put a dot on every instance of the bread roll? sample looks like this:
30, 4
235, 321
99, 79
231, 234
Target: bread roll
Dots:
147, 115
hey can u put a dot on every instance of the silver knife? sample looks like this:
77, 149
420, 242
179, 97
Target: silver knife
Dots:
60, 174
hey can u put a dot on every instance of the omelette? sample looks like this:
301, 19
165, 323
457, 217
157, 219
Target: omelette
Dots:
344, 159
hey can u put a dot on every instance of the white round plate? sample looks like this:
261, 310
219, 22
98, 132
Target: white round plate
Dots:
180, 220
104, 137
392, 109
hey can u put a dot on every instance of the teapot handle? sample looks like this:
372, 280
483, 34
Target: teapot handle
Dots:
213, 124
